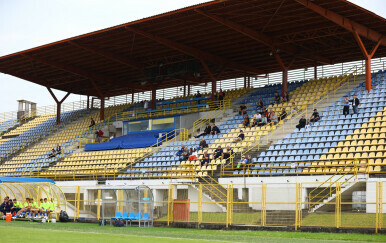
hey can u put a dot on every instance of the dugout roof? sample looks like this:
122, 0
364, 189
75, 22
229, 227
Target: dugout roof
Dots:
232, 38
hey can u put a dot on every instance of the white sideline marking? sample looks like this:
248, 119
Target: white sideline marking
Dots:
143, 236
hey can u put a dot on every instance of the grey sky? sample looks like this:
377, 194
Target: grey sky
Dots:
29, 23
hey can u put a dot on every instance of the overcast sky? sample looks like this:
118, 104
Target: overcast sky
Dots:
29, 23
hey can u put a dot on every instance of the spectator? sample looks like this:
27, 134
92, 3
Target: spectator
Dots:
4, 206
221, 95
198, 94
58, 149
243, 109
255, 122
277, 98
218, 152
244, 161
264, 112
92, 123
263, 120
273, 117
215, 130
302, 123
285, 96
315, 116
179, 152
205, 158
246, 121
146, 105
228, 153
346, 106
202, 144
283, 114
184, 154
294, 108
16, 207
257, 116
193, 155
206, 131
308, 125
99, 135
52, 154
240, 137
282, 100
355, 104
260, 103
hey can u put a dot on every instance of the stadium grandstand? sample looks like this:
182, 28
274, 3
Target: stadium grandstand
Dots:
228, 114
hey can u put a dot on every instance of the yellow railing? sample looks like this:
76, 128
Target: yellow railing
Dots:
219, 108
346, 80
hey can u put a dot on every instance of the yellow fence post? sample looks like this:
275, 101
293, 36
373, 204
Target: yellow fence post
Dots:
379, 207
263, 204
99, 204
229, 205
298, 214
199, 216
170, 204
338, 206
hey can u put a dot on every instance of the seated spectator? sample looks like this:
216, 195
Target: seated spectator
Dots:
283, 114
206, 131
198, 94
263, 120
294, 108
277, 98
282, 100
218, 152
308, 125
244, 161
215, 130
315, 116
257, 116
184, 154
58, 149
273, 117
193, 154
221, 95
243, 109
202, 144
240, 137
52, 154
179, 152
264, 112
205, 159
302, 122
246, 121
255, 122
228, 153
92, 123
285, 96
260, 103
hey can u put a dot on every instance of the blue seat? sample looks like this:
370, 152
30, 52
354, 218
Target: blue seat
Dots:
118, 215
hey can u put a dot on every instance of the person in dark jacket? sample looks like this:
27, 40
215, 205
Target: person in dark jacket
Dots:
243, 109
218, 152
240, 137
355, 103
283, 114
346, 106
92, 123
228, 153
202, 144
215, 130
315, 116
302, 122
207, 131
260, 103
221, 95
4, 207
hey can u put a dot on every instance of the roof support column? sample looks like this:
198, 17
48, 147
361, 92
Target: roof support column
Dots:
58, 104
153, 97
249, 81
210, 74
367, 57
184, 88
88, 102
102, 109
132, 96
245, 81
188, 89
316, 71
284, 68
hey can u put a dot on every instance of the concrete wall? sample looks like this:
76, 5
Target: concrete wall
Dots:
186, 121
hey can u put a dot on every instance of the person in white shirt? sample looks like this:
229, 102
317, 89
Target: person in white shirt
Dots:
146, 105
257, 116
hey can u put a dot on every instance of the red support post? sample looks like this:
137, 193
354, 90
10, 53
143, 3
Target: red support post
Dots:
88, 102
58, 104
184, 88
245, 81
102, 109
315, 72
188, 89
367, 57
284, 86
211, 77
153, 97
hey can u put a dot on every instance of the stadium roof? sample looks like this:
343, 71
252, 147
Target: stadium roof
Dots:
231, 38
4, 179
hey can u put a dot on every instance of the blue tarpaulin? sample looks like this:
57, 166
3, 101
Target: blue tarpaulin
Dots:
132, 140
4, 179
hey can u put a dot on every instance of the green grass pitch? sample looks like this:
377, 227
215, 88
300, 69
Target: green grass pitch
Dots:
81, 232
